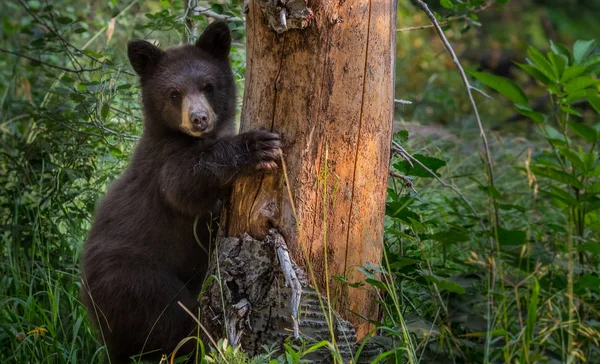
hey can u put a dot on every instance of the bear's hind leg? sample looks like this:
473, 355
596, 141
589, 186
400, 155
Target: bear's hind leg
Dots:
142, 315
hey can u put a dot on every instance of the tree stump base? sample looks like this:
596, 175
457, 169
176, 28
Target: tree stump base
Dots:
265, 298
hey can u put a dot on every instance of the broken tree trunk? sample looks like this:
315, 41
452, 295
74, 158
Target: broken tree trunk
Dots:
328, 90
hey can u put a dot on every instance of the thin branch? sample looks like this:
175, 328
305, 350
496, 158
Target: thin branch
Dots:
463, 75
65, 42
211, 14
481, 92
402, 102
49, 64
404, 154
447, 21
408, 182
55, 32
493, 208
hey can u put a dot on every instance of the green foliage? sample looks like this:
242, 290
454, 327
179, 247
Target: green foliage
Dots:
70, 116
523, 288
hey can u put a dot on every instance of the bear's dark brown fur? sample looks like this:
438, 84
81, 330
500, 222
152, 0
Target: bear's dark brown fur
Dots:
141, 255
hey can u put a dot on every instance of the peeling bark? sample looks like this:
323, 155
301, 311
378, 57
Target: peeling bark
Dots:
284, 15
264, 298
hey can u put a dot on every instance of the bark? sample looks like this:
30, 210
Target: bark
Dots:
328, 90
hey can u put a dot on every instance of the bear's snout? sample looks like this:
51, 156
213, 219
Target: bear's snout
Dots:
199, 120
198, 116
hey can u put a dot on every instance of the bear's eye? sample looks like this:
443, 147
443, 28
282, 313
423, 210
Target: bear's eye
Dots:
209, 87
175, 95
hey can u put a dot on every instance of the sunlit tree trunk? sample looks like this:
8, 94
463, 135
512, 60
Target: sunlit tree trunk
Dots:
328, 90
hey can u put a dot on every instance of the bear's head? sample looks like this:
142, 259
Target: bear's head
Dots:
188, 89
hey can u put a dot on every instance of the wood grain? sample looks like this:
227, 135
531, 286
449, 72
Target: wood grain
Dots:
328, 90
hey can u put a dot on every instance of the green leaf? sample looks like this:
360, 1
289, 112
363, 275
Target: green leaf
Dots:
450, 237
561, 50
561, 195
581, 49
217, 8
593, 248
532, 313
315, 347
554, 135
559, 62
508, 207
537, 117
588, 281
594, 100
401, 136
586, 132
594, 188
493, 333
572, 157
104, 111
445, 285
591, 163
114, 151
540, 62
399, 234
64, 20
592, 206
400, 211
581, 95
446, 4
511, 237
401, 262
571, 111
376, 283
347, 282
535, 73
491, 191
504, 86
432, 163
579, 83
93, 54
572, 72
416, 225
556, 175
592, 61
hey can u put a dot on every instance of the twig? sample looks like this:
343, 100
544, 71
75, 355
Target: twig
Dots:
408, 182
493, 209
447, 21
66, 69
63, 40
402, 102
55, 32
211, 14
404, 154
468, 86
481, 92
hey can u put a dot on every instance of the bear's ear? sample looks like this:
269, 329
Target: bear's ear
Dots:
216, 39
143, 55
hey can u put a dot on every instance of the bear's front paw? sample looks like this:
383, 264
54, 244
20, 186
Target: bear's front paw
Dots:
264, 148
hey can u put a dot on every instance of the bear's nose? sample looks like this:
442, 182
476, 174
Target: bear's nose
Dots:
199, 120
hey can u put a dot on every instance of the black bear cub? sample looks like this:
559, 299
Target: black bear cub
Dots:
143, 252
